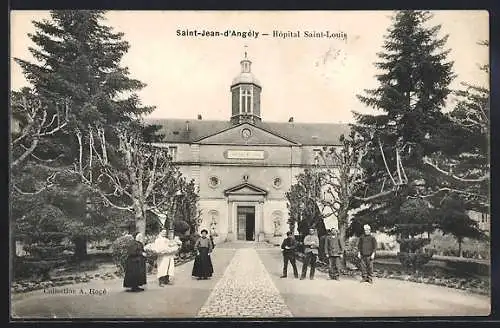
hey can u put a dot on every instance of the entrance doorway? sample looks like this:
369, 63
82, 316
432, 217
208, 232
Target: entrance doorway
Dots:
246, 223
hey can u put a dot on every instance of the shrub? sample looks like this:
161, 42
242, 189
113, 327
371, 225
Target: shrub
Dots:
470, 267
151, 258
120, 248
412, 245
35, 269
351, 253
414, 261
181, 227
188, 243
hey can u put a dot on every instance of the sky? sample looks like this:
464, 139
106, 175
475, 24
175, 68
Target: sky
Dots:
310, 79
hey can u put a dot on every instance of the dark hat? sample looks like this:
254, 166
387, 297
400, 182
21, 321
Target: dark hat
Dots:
204, 230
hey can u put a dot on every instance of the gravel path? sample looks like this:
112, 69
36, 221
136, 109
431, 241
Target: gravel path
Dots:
245, 290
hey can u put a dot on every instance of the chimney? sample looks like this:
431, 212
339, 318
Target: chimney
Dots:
199, 116
290, 120
187, 126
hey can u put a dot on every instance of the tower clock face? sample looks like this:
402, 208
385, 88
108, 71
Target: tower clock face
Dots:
246, 133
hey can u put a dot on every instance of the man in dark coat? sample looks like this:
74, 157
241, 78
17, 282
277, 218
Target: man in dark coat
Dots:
334, 250
367, 246
288, 246
135, 269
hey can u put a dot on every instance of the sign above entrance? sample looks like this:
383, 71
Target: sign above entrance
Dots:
245, 154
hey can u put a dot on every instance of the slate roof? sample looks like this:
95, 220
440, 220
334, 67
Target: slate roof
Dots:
302, 133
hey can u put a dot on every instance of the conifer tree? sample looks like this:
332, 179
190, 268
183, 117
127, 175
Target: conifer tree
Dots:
413, 85
464, 158
78, 65
78, 61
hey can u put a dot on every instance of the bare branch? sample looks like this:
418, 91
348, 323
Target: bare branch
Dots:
451, 190
373, 197
110, 203
16, 188
49, 184
151, 183
115, 181
28, 152
385, 162
43, 160
91, 145
476, 180
80, 153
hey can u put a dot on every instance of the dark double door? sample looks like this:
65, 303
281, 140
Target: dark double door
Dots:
246, 223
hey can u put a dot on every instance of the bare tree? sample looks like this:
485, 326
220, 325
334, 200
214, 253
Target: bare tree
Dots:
146, 180
32, 123
341, 178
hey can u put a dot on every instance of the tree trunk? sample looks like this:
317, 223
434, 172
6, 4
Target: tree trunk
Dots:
342, 234
140, 225
140, 219
460, 252
342, 220
80, 243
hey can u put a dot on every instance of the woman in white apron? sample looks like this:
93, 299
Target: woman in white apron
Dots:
166, 250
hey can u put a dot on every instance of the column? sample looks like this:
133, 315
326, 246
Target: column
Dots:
260, 215
230, 220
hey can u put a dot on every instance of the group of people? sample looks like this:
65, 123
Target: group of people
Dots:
333, 249
165, 246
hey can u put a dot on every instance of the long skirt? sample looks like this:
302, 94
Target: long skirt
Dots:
202, 267
135, 272
166, 266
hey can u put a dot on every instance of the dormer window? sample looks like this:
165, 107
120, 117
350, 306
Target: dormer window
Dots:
172, 152
316, 156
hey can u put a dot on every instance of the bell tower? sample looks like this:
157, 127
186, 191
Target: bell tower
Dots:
245, 92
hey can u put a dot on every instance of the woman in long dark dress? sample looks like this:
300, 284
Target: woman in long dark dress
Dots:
202, 268
135, 268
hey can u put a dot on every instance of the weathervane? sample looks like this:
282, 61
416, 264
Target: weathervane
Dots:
245, 50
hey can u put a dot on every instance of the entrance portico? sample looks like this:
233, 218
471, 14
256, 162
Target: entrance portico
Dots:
245, 209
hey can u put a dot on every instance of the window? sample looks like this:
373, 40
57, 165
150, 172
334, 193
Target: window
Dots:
277, 182
246, 67
213, 181
172, 151
316, 156
246, 99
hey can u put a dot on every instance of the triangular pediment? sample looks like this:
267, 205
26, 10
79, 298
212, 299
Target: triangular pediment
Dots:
245, 134
245, 189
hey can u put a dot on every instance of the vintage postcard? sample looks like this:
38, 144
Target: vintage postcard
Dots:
249, 164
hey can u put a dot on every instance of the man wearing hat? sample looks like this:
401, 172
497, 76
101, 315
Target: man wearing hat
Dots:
288, 246
334, 250
367, 246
